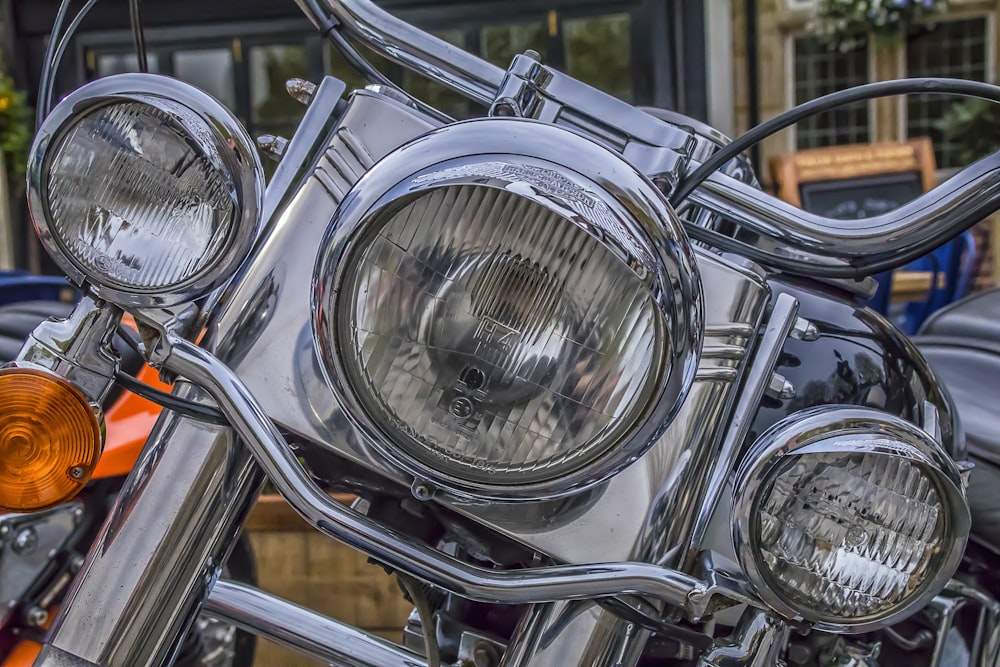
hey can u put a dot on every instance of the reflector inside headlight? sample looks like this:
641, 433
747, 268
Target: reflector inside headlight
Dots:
501, 325
848, 517
501, 343
142, 193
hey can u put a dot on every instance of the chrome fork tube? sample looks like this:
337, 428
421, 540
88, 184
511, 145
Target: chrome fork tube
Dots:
159, 550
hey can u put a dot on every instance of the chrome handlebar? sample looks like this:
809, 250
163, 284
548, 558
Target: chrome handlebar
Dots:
409, 46
805, 241
896, 237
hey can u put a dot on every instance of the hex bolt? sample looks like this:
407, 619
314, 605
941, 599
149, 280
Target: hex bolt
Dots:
484, 655
37, 616
25, 541
300, 90
272, 146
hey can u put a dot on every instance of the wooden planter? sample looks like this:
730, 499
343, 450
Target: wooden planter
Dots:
303, 566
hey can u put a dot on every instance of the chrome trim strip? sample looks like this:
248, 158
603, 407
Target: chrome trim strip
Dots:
756, 379
540, 584
302, 629
310, 137
401, 42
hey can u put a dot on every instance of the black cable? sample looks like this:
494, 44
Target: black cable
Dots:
47, 70
865, 92
180, 405
205, 413
138, 37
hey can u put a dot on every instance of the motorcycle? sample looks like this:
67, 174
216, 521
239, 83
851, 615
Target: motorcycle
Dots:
42, 551
602, 400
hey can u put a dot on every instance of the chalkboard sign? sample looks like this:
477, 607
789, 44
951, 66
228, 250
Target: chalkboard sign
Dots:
858, 198
856, 181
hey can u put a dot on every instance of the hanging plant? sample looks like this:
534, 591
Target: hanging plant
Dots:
16, 131
973, 126
844, 25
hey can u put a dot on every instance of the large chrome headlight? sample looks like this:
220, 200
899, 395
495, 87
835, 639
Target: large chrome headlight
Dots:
848, 518
507, 309
145, 187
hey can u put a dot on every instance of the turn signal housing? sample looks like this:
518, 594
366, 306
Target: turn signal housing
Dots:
50, 440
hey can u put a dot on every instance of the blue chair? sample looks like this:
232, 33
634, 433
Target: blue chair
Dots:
952, 268
18, 286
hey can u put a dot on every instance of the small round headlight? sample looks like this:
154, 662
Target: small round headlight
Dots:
848, 518
146, 188
501, 324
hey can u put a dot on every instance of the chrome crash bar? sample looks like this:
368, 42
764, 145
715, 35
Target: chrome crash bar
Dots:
302, 629
396, 550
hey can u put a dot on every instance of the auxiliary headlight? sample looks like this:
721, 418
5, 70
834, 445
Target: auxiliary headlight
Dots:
848, 518
145, 187
501, 324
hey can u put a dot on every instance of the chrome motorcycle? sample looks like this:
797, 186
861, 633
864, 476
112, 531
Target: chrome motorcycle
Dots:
602, 400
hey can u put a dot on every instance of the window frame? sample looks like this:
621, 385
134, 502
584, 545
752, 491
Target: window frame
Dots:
902, 108
792, 136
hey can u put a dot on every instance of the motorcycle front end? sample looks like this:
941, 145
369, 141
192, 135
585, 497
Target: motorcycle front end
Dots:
589, 420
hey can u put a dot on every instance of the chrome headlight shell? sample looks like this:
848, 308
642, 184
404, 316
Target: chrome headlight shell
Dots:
848, 518
146, 188
507, 310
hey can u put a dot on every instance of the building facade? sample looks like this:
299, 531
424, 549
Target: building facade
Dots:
961, 43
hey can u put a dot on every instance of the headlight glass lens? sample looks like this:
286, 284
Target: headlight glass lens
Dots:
137, 203
494, 339
849, 535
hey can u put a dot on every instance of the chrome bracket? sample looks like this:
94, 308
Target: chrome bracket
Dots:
78, 347
658, 149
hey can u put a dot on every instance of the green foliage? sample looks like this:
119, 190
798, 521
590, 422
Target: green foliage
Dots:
846, 24
973, 125
16, 130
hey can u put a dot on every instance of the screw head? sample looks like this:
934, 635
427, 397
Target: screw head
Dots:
25, 541
422, 491
76, 472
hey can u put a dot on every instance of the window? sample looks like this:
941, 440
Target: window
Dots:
819, 71
955, 49
598, 51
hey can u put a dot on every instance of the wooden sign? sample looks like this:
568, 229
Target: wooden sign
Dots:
856, 181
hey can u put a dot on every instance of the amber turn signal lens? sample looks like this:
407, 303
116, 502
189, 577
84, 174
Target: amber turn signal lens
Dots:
50, 440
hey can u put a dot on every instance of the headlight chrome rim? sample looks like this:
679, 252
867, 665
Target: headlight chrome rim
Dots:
457, 155
846, 430
231, 141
